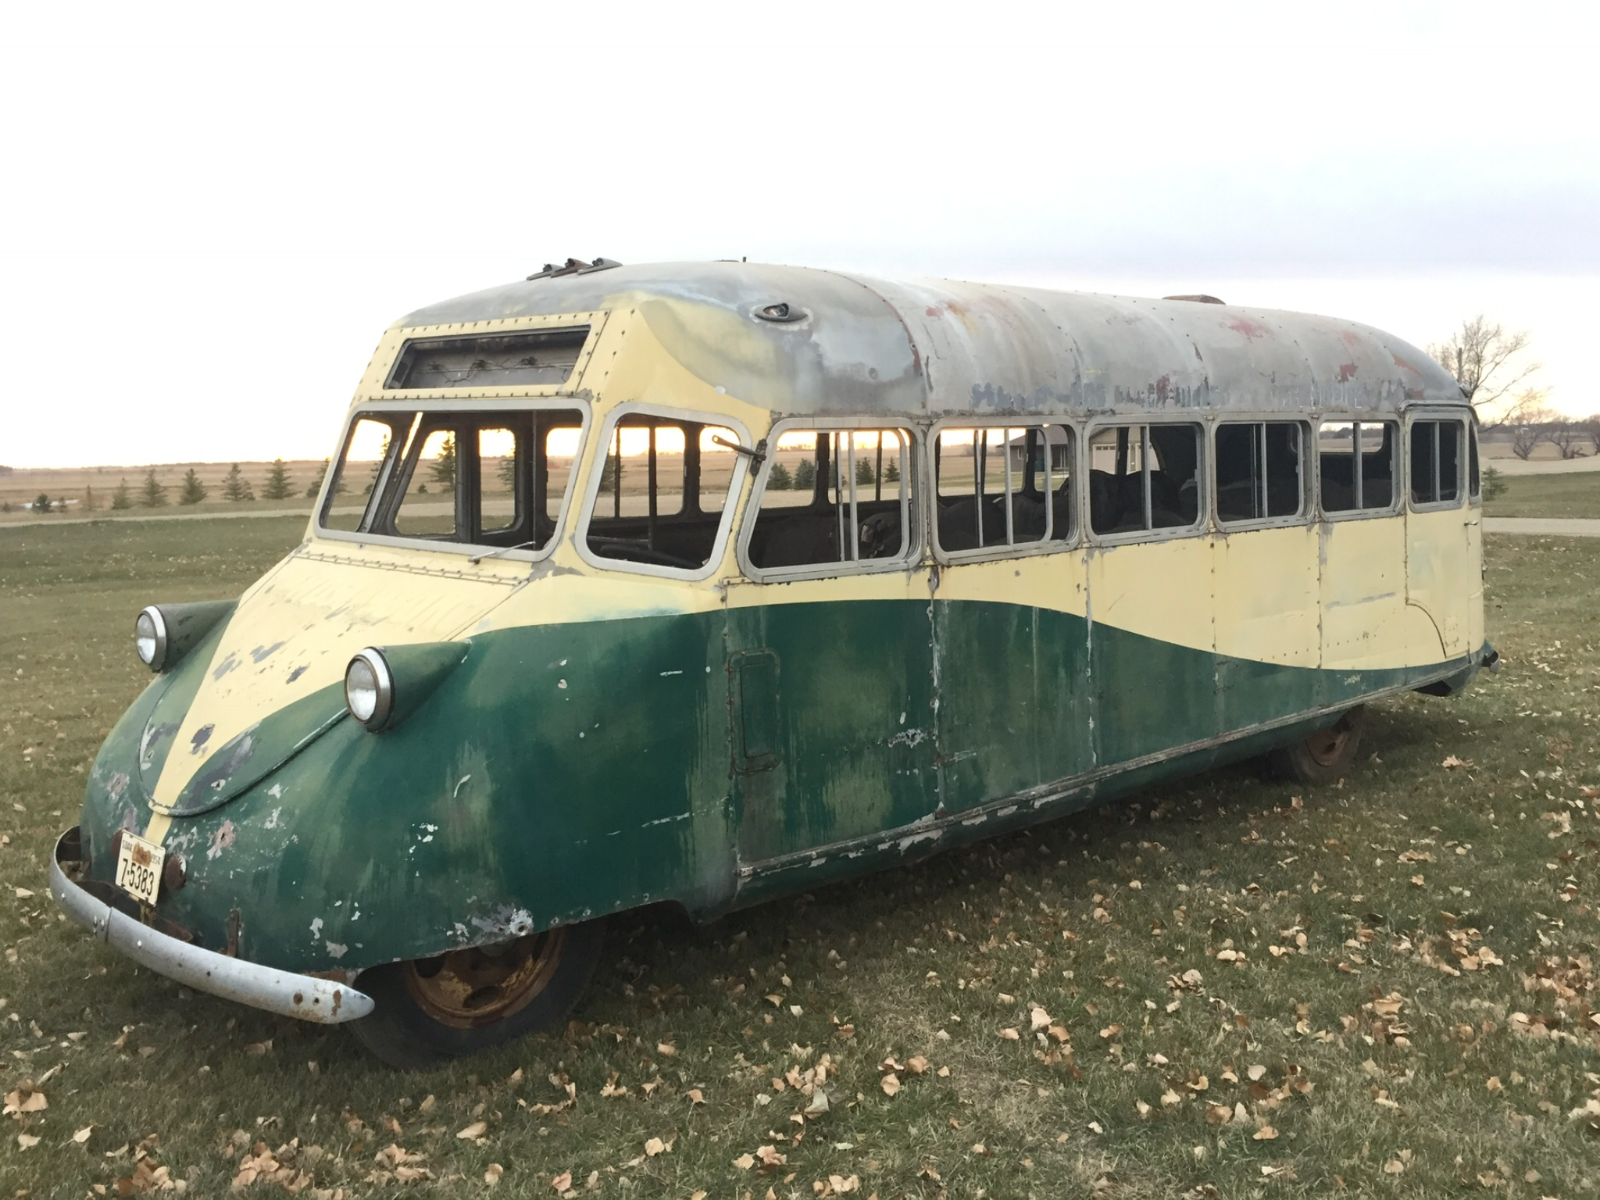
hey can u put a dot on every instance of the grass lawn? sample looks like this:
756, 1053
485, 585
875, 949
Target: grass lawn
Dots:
1228, 987
1574, 495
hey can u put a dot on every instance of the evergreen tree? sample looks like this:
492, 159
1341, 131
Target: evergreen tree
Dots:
805, 475
779, 479
41, 504
864, 471
891, 472
278, 485
611, 472
89, 502
315, 486
193, 491
236, 487
120, 498
444, 467
154, 493
377, 465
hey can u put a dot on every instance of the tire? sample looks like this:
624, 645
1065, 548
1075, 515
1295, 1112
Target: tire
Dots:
1323, 757
430, 1011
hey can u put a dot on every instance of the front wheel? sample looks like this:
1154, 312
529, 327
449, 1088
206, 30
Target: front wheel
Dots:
428, 1011
1324, 756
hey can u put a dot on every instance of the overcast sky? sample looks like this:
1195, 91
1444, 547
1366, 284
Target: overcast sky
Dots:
211, 214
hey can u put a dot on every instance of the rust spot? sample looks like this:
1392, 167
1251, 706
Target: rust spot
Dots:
232, 950
338, 1000
1350, 338
1404, 365
1347, 372
1163, 388
299, 998
175, 874
201, 737
1250, 329
933, 311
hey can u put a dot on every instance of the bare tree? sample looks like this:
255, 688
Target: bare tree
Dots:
1567, 437
1591, 430
1478, 355
1530, 420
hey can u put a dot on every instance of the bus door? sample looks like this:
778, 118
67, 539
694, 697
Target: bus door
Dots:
830, 688
1442, 530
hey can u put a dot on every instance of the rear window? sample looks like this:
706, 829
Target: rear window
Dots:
488, 361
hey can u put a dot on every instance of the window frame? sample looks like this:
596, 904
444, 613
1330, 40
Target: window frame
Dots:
1474, 464
1004, 551
1308, 477
413, 406
1401, 484
1202, 522
914, 475
591, 490
1463, 458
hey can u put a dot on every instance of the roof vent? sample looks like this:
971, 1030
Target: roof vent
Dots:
1197, 299
574, 266
781, 313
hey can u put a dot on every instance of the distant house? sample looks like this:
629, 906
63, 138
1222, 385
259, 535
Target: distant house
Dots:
1060, 450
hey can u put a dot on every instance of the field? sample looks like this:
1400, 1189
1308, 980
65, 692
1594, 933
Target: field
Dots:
88, 491
1225, 988
1575, 495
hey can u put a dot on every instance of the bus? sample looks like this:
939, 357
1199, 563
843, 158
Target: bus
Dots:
695, 585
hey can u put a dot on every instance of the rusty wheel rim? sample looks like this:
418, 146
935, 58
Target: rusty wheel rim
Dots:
1328, 747
484, 984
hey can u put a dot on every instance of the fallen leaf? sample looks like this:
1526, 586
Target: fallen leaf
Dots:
1010, 1035
27, 1141
561, 1182
666, 1049
25, 1100
818, 1105
254, 1049
476, 1130
492, 1175
890, 1084
917, 1064
695, 1096
1265, 1134
770, 1156
654, 1147
744, 1162
1038, 1019
83, 1134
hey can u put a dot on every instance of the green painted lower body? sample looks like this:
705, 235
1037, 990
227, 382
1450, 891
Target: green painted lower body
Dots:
565, 772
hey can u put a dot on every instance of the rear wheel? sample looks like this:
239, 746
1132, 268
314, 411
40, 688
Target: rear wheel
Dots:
428, 1011
1325, 755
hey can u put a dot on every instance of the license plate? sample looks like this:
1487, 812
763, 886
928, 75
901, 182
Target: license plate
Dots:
139, 867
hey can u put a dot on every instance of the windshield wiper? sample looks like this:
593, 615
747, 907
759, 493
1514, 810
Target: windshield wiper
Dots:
478, 558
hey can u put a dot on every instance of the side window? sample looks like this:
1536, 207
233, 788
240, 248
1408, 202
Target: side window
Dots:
369, 453
664, 483
1144, 478
1259, 470
1002, 486
834, 496
1435, 462
1356, 460
1474, 475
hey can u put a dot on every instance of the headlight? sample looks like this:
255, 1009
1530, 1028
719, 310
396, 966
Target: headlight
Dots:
369, 689
150, 638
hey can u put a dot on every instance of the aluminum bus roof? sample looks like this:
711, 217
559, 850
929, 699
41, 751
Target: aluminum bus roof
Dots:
858, 346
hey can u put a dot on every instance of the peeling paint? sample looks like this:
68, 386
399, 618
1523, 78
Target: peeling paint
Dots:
197, 744
224, 837
262, 653
226, 665
335, 949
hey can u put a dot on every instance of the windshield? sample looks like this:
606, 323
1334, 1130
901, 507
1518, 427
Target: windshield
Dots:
480, 478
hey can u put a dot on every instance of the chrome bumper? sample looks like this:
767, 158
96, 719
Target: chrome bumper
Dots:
282, 992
